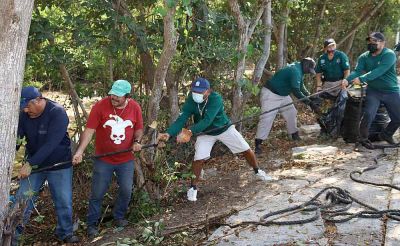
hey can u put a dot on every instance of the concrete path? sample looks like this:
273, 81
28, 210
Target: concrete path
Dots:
311, 172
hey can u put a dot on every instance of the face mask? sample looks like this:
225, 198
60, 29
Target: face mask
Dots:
197, 97
372, 48
330, 51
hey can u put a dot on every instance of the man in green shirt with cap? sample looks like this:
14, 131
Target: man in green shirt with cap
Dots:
275, 93
377, 69
211, 125
332, 67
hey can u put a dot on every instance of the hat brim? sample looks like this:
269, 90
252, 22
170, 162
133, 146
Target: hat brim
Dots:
199, 90
23, 104
116, 93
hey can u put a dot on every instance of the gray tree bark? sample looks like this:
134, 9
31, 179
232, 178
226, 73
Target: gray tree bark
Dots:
15, 19
246, 30
280, 59
169, 50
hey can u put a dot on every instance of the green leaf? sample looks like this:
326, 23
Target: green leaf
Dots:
171, 3
39, 219
160, 11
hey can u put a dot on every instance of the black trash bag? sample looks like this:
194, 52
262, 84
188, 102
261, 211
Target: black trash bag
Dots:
331, 121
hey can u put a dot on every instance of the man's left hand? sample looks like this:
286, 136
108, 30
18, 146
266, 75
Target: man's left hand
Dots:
136, 147
25, 171
184, 136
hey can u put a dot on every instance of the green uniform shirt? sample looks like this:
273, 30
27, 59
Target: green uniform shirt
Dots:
208, 115
333, 70
288, 80
379, 72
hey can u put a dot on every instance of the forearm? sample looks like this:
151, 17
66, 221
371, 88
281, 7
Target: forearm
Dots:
85, 139
346, 73
318, 76
138, 135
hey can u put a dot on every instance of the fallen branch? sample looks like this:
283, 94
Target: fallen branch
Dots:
207, 222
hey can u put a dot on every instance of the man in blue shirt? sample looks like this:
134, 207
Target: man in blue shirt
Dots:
43, 123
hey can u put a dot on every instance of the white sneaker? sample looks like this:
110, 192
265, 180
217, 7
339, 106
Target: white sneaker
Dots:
261, 175
192, 195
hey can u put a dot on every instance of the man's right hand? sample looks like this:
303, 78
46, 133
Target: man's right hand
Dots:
77, 158
163, 137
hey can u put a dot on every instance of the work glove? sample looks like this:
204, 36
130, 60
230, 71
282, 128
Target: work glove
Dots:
25, 171
314, 107
184, 136
163, 137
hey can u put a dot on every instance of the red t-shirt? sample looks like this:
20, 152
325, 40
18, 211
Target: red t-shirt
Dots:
115, 128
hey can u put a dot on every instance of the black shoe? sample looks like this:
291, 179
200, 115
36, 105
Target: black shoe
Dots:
367, 144
257, 149
296, 137
387, 138
71, 239
121, 222
92, 232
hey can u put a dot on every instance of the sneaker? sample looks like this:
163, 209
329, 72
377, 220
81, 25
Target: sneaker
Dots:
71, 239
296, 137
261, 175
121, 222
387, 138
92, 232
192, 195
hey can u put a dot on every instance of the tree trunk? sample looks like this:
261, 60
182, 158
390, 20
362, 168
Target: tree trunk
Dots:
169, 49
172, 87
245, 29
280, 61
15, 19
317, 31
267, 24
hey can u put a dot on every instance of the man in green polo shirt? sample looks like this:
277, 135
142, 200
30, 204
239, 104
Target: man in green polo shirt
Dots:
332, 67
377, 69
207, 109
275, 93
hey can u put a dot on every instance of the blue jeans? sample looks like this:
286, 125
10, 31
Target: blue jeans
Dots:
373, 99
60, 185
102, 174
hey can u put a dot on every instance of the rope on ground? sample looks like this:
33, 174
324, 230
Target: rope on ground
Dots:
354, 175
334, 208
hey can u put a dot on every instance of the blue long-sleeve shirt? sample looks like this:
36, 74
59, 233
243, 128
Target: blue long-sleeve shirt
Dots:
46, 136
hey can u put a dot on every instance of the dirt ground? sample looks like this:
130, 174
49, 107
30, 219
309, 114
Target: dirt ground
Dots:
229, 184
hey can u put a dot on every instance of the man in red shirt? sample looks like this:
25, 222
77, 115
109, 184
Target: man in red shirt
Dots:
118, 124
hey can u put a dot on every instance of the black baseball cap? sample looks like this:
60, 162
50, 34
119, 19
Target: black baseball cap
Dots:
377, 36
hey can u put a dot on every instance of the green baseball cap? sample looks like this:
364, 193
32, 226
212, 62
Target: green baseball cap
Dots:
120, 88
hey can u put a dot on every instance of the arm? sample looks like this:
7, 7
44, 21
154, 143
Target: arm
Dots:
387, 61
297, 86
358, 71
179, 123
84, 140
318, 76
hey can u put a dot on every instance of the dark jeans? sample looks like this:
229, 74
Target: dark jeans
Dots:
373, 100
102, 174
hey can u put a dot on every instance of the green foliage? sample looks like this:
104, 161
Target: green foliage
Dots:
152, 232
